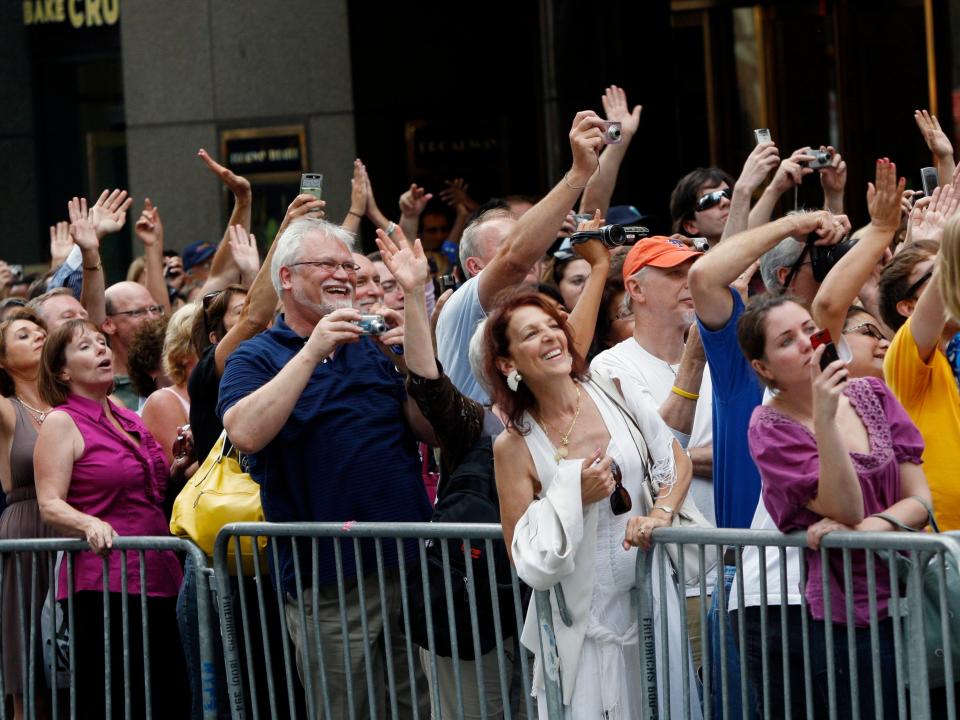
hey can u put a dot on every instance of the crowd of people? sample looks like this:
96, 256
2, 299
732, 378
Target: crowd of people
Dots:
594, 390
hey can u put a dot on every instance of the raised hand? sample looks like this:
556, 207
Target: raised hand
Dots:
243, 248
791, 171
761, 160
109, 212
358, 189
60, 243
586, 141
833, 179
927, 221
239, 186
830, 228
414, 200
407, 263
455, 195
302, 205
593, 251
933, 135
884, 197
616, 109
149, 227
82, 227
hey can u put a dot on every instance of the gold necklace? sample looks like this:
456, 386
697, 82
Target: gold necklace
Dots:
38, 415
561, 452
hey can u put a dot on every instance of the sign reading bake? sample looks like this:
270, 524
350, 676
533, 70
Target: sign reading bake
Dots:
79, 13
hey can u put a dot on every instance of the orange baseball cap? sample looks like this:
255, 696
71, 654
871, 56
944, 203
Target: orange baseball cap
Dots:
658, 251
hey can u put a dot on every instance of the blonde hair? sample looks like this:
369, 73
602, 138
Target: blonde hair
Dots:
177, 346
950, 266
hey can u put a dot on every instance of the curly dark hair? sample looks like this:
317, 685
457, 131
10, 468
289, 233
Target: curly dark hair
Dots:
515, 404
146, 355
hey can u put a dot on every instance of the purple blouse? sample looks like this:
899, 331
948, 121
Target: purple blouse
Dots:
121, 483
786, 455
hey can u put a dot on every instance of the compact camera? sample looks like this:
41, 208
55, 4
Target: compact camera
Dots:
762, 135
16, 273
821, 159
372, 324
824, 257
612, 132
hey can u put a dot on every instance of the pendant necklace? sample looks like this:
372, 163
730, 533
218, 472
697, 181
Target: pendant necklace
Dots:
38, 415
561, 452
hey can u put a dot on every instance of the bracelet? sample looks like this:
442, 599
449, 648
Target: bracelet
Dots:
572, 187
684, 394
664, 508
351, 212
98, 266
391, 228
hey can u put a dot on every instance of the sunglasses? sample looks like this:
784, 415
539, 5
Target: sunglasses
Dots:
620, 501
866, 328
712, 199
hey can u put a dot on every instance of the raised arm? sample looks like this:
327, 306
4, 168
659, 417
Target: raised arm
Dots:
222, 273
536, 231
711, 276
149, 231
83, 231
583, 318
600, 187
761, 160
833, 180
358, 199
790, 174
373, 210
456, 196
60, 244
843, 283
261, 302
412, 203
940, 146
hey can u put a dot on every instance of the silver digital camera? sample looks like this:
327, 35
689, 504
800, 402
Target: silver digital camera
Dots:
372, 324
612, 132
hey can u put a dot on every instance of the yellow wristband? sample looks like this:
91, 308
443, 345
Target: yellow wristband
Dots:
684, 394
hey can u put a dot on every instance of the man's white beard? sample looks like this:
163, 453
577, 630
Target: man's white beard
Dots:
322, 309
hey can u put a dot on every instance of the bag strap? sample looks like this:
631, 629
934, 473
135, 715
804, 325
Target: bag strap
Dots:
907, 528
636, 434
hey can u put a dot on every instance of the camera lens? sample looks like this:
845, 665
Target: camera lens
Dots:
613, 133
613, 235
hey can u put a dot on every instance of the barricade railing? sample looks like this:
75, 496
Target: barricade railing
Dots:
47, 631
371, 620
763, 653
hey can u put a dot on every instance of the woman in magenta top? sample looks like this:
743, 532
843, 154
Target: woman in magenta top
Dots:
831, 453
99, 474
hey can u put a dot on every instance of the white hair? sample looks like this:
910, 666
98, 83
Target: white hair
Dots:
288, 244
626, 302
477, 355
784, 254
470, 239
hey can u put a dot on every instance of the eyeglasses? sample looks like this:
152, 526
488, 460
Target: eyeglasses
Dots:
330, 266
620, 501
140, 312
866, 328
712, 199
912, 290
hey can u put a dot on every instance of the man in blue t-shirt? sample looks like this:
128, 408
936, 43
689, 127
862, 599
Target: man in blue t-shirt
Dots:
736, 390
322, 412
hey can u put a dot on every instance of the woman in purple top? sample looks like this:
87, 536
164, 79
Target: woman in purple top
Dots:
100, 474
832, 453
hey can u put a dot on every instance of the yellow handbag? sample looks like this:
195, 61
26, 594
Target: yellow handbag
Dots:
220, 492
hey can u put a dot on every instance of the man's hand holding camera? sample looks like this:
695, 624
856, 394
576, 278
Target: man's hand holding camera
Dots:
792, 170
764, 158
829, 228
833, 179
334, 329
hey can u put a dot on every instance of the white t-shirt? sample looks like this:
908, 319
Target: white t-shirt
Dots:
750, 562
628, 361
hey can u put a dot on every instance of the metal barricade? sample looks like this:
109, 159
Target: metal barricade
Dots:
350, 636
790, 665
50, 628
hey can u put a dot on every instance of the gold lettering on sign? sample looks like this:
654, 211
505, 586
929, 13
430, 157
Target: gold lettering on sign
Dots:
76, 15
80, 13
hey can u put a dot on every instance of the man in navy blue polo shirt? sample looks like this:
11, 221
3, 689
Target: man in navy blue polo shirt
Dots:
323, 413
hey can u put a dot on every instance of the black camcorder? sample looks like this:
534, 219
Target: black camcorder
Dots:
612, 235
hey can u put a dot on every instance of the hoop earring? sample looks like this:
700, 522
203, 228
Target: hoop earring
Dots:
513, 380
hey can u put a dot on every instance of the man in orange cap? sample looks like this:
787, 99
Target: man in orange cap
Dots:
670, 370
